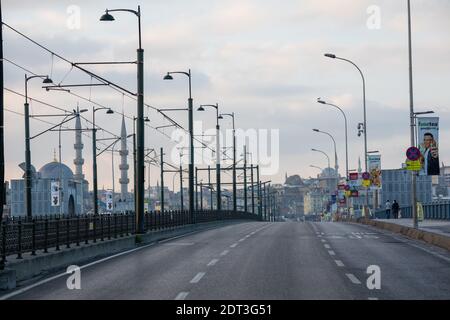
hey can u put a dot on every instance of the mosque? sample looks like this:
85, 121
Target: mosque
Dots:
74, 197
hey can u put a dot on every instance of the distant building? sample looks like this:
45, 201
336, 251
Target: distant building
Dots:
314, 201
396, 185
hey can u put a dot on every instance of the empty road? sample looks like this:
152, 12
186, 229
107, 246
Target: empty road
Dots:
261, 260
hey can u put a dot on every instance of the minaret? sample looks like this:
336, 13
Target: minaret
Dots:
359, 165
123, 163
78, 161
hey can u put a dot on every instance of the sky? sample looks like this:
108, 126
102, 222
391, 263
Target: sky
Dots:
261, 59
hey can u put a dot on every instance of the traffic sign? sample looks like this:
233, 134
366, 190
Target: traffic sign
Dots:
413, 165
366, 176
366, 183
413, 153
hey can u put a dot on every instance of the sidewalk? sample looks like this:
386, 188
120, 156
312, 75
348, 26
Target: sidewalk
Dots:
441, 227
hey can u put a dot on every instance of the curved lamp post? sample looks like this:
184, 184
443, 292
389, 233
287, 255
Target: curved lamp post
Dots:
216, 106
336, 166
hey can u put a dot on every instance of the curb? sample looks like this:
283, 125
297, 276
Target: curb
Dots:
416, 234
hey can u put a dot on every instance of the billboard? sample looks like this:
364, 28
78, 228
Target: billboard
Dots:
374, 165
428, 139
109, 200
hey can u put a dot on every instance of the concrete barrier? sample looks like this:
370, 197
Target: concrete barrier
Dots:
29, 266
416, 234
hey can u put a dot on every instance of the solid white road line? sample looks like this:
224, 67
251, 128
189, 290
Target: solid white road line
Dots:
352, 278
339, 263
224, 252
372, 298
181, 296
212, 262
197, 277
331, 252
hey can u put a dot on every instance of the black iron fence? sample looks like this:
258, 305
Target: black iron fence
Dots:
21, 235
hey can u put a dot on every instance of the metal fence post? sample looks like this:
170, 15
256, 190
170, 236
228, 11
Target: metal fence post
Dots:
19, 244
78, 231
2, 263
86, 229
57, 234
46, 234
67, 232
33, 238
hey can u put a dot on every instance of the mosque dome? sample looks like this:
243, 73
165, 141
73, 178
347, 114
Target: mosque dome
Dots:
53, 170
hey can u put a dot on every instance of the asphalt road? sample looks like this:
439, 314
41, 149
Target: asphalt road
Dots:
259, 260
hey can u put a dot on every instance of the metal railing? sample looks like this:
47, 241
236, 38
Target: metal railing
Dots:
21, 235
435, 211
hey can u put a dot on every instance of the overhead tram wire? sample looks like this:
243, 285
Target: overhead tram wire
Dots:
99, 78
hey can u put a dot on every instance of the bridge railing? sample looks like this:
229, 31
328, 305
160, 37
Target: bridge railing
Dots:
436, 211
21, 235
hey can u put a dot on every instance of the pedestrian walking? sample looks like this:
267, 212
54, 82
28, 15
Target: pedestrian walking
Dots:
395, 209
388, 209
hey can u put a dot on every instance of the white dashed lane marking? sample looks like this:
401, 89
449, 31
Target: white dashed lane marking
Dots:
331, 252
198, 277
233, 245
339, 263
224, 253
212, 262
327, 246
181, 296
352, 278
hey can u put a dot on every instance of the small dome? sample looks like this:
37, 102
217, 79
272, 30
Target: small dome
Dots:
294, 180
54, 169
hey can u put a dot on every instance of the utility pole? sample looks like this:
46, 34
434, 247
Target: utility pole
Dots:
2, 138
162, 181
259, 194
245, 179
253, 189
181, 188
411, 117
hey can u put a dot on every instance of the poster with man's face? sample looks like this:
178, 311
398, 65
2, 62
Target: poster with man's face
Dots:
428, 134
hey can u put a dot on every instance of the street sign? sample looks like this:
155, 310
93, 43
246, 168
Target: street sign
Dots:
413, 153
347, 187
55, 193
353, 176
366, 176
366, 183
413, 165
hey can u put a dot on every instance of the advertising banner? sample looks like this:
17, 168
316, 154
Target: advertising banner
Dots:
109, 200
428, 139
55, 195
374, 164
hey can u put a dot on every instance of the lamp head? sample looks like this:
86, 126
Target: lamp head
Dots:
107, 17
330, 55
316, 130
220, 116
47, 80
109, 111
201, 108
168, 77
146, 119
319, 100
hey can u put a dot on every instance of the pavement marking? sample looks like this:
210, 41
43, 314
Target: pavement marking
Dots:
224, 253
240, 240
331, 252
179, 244
352, 278
327, 246
339, 263
356, 234
181, 296
198, 277
252, 233
64, 274
323, 240
233, 245
320, 236
212, 262
372, 298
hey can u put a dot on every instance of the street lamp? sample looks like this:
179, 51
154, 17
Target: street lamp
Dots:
140, 168
234, 158
333, 56
216, 106
326, 155
168, 76
336, 166
94, 154
28, 199
319, 100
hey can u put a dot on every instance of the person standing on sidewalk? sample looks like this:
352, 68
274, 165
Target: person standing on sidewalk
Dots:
388, 209
395, 209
